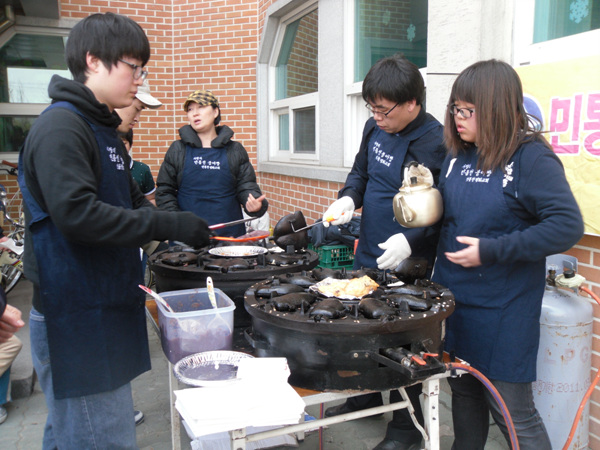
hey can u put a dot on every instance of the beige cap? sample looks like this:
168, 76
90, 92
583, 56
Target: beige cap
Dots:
144, 96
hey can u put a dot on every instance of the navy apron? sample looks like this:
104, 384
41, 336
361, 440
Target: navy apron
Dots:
386, 155
495, 326
208, 189
93, 307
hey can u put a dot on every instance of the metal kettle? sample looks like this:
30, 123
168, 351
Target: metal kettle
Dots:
418, 203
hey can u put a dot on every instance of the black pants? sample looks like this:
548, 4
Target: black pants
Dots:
401, 428
472, 404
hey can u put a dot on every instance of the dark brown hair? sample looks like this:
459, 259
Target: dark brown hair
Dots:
495, 89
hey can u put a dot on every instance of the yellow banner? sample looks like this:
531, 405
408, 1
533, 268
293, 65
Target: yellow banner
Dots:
565, 96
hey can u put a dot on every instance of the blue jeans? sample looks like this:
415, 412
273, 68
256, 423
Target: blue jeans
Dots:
98, 421
4, 385
472, 403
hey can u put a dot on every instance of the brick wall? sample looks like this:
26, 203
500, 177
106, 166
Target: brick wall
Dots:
14, 201
157, 128
587, 252
214, 47
288, 194
211, 45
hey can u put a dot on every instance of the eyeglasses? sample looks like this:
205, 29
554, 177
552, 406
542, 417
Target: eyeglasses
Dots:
376, 111
467, 113
138, 71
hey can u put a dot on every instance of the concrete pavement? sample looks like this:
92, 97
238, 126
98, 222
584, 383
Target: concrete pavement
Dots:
27, 415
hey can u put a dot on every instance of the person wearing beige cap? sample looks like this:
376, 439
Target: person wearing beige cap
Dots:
144, 96
207, 172
130, 115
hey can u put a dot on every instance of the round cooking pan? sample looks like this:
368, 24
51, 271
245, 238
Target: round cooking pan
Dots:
284, 233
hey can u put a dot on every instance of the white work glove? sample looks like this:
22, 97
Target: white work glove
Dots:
340, 212
397, 249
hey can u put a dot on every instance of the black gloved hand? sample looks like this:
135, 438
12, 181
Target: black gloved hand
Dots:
194, 230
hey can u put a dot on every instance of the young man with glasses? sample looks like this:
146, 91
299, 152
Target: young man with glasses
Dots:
85, 221
399, 132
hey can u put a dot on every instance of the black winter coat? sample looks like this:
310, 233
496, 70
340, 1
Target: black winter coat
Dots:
171, 170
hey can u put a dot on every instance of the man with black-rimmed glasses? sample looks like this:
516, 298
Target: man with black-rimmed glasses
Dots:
399, 132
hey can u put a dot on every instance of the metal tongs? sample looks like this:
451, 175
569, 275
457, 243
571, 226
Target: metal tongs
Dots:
327, 219
218, 226
248, 237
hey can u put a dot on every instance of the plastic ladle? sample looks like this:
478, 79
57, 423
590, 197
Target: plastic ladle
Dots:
156, 297
213, 300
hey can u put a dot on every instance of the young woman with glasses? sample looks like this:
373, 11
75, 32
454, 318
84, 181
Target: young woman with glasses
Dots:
507, 205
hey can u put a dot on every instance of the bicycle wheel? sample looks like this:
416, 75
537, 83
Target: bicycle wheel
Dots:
148, 276
10, 277
14, 208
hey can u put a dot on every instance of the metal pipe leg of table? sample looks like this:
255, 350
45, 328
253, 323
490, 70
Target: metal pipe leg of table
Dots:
152, 322
175, 421
431, 413
300, 435
411, 411
239, 438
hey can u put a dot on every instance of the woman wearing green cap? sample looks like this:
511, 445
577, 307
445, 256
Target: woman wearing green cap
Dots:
208, 173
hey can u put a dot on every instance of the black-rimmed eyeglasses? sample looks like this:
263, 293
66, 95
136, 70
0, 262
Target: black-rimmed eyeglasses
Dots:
138, 71
376, 111
467, 113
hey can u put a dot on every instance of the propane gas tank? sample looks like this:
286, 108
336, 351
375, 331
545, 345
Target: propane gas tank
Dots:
564, 361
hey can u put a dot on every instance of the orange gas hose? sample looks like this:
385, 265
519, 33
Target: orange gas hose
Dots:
512, 433
590, 389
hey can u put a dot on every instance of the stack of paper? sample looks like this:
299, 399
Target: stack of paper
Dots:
222, 441
260, 396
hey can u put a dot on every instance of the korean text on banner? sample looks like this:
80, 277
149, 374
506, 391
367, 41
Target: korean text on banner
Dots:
565, 96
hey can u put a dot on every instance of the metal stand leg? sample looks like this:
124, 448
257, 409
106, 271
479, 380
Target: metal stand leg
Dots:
238, 439
175, 421
431, 413
411, 411
300, 435
152, 322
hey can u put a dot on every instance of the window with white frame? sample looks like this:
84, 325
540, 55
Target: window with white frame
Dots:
559, 18
312, 59
384, 28
380, 29
296, 84
29, 59
555, 30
